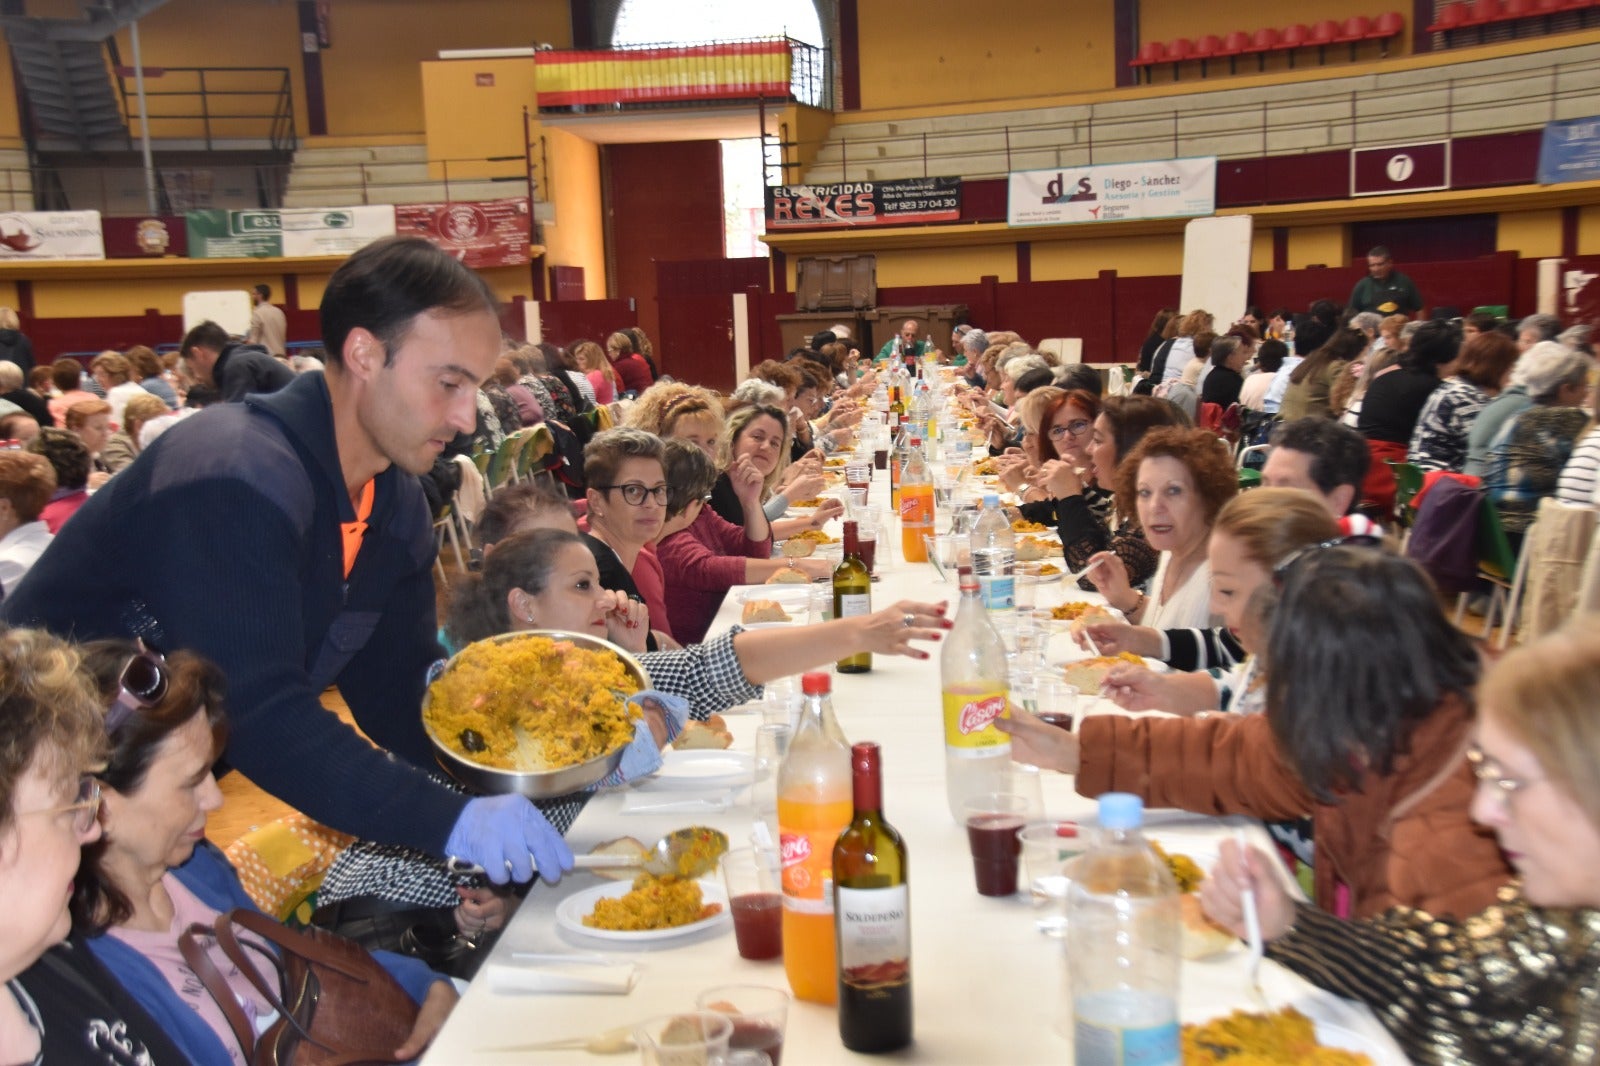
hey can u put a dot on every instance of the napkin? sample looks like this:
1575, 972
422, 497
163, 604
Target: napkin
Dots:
616, 978
660, 801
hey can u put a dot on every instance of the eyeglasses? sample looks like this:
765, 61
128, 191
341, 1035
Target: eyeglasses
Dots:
141, 685
85, 808
1354, 540
634, 493
1077, 428
1488, 772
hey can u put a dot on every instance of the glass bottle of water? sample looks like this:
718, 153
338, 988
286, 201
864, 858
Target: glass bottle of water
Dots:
1122, 945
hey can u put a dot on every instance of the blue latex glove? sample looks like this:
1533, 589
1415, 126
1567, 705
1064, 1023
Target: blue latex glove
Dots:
509, 839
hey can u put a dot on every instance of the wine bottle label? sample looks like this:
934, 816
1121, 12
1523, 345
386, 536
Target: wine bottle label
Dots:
874, 936
852, 605
969, 718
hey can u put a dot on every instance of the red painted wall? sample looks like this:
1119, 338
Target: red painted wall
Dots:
663, 202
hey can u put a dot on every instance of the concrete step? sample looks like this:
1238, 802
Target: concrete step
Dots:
413, 193
389, 153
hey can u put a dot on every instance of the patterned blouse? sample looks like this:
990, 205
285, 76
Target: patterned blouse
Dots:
1526, 458
1439, 441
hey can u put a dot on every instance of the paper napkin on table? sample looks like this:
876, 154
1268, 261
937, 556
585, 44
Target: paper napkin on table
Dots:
588, 978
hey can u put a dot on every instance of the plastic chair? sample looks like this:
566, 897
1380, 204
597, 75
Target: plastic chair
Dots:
1205, 49
1296, 36
1451, 17
1178, 52
1354, 31
1407, 482
1505, 571
1387, 27
1150, 54
444, 527
1323, 34
1264, 40
538, 442
1485, 12
503, 464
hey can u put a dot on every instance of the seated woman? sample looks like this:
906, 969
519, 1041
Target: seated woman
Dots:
123, 446
626, 498
672, 409
1368, 714
1439, 440
1121, 424
591, 359
757, 439
546, 579
1311, 383
70, 459
91, 421
1176, 480
1528, 453
1253, 533
1058, 425
153, 874
26, 482
1516, 982
59, 1003
632, 372
705, 554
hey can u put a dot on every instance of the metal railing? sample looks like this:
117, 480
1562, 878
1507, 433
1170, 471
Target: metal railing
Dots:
645, 76
213, 103
1452, 107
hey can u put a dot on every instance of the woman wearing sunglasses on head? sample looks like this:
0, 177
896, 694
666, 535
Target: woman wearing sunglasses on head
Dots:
152, 873
1368, 716
1518, 982
59, 1004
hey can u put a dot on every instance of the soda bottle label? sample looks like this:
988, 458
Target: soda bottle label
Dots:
808, 870
969, 718
916, 509
874, 935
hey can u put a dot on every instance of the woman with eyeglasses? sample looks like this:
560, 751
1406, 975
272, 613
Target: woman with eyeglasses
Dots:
753, 457
58, 1004
152, 874
1518, 982
1121, 424
706, 554
1368, 716
626, 497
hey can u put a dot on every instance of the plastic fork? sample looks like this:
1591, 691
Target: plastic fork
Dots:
1252, 928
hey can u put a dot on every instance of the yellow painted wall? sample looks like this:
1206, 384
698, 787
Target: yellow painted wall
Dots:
124, 296
1589, 231
469, 121
1318, 245
956, 266
1132, 256
1531, 234
10, 120
578, 236
804, 129
1261, 249
920, 52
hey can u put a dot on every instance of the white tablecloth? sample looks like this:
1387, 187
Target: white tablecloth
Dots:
988, 987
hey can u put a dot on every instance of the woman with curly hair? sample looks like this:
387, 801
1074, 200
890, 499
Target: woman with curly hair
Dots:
672, 409
1176, 480
591, 358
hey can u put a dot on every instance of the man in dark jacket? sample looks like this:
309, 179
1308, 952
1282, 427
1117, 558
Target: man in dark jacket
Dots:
286, 539
235, 369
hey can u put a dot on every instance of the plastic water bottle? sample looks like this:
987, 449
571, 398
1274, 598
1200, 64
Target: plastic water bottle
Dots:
994, 555
976, 690
1122, 945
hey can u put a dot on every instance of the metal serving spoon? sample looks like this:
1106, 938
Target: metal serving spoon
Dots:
690, 852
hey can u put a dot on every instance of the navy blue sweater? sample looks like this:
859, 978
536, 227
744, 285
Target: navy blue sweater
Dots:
224, 538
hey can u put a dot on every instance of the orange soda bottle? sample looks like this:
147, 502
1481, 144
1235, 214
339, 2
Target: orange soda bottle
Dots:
916, 504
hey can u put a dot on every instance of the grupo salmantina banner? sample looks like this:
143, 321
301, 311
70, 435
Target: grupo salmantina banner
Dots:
286, 232
1170, 188
51, 235
480, 233
863, 203
1570, 151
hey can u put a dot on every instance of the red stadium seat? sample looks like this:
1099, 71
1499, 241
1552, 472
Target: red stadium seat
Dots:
1484, 12
1207, 48
1450, 17
1235, 45
1296, 36
1263, 41
1323, 34
1354, 31
1387, 27
1150, 54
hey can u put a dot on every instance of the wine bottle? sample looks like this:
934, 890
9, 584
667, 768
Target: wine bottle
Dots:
852, 595
872, 904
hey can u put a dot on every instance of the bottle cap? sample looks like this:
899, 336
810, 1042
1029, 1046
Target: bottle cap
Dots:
1119, 810
816, 683
864, 756
991, 499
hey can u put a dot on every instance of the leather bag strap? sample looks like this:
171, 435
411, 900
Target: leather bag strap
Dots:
194, 953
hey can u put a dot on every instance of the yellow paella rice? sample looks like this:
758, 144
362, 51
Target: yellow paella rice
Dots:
816, 535
1184, 870
652, 903
532, 704
1282, 1038
1022, 525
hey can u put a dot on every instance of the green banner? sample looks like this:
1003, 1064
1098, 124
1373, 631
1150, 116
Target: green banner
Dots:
293, 232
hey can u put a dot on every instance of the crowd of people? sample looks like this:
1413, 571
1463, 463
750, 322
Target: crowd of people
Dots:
216, 573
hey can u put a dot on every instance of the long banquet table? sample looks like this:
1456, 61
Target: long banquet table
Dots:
988, 986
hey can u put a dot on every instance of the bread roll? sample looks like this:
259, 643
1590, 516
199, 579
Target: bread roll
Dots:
702, 735
1202, 938
1089, 674
789, 576
764, 611
798, 547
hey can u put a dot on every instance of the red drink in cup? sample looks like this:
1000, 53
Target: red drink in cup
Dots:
995, 847
880, 458
867, 549
756, 1036
858, 475
1057, 719
758, 925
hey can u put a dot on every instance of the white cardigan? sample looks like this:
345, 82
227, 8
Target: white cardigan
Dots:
1190, 606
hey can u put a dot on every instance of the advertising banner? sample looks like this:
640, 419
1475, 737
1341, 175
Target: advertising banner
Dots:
864, 203
51, 235
481, 233
1170, 188
153, 236
289, 232
1570, 151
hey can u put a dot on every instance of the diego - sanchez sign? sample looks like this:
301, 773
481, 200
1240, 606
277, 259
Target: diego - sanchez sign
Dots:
51, 235
1171, 188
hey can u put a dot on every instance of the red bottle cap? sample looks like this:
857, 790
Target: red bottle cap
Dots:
816, 683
